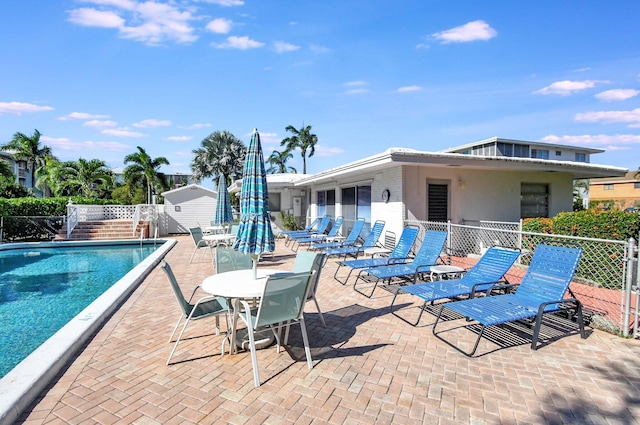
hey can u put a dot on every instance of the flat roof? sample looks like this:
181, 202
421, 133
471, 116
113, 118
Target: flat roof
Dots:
523, 142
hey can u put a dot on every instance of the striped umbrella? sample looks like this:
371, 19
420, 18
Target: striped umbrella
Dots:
255, 235
224, 214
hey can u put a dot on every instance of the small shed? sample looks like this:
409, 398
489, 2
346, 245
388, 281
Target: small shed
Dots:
188, 206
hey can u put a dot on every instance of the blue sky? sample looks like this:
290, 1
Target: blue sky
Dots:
99, 77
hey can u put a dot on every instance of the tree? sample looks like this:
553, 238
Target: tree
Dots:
5, 170
50, 177
220, 153
302, 139
580, 188
278, 162
145, 171
25, 148
87, 177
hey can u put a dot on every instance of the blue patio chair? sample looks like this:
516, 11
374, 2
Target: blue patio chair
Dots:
354, 250
427, 256
489, 269
309, 228
399, 253
321, 228
542, 290
350, 240
282, 302
335, 231
204, 307
196, 236
307, 261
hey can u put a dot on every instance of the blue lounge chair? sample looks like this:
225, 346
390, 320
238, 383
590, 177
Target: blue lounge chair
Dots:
370, 242
541, 291
309, 228
400, 253
350, 240
490, 269
427, 256
335, 231
321, 228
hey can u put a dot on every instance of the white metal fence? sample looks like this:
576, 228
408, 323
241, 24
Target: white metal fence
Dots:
605, 282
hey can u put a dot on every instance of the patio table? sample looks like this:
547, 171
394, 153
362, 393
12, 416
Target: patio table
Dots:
234, 286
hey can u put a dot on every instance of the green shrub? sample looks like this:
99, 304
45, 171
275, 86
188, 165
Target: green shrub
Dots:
591, 223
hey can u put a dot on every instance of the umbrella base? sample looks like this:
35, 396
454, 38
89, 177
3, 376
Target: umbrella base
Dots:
263, 339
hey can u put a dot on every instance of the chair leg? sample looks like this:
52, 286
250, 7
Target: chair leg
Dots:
305, 339
193, 255
175, 328
319, 312
178, 339
359, 291
254, 357
402, 318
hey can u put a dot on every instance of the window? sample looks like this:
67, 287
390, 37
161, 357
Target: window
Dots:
636, 185
437, 202
521, 151
356, 203
274, 202
505, 149
558, 153
326, 202
581, 157
540, 153
608, 186
534, 200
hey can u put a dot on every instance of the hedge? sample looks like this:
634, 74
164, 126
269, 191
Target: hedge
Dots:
592, 223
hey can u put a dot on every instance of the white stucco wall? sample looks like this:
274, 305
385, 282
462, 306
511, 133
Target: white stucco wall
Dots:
187, 207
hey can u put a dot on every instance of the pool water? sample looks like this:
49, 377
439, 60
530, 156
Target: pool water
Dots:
44, 288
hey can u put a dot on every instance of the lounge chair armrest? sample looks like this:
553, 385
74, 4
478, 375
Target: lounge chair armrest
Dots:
500, 285
564, 300
423, 268
399, 260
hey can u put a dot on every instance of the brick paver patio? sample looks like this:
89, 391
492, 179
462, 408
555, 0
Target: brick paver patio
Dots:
369, 367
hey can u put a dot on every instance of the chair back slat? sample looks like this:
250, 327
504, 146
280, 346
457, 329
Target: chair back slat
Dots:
551, 270
354, 234
405, 243
335, 228
374, 234
283, 299
228, 259
494, 264
323, 225
431, 248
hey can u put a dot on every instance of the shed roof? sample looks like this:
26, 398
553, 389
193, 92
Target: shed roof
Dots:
190, 187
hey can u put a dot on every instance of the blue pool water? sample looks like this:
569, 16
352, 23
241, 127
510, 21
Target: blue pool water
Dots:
42, 289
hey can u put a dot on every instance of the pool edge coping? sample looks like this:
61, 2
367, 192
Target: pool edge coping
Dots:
24, 383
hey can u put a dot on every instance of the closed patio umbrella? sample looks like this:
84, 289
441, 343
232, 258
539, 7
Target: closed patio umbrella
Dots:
255, 235
224, 214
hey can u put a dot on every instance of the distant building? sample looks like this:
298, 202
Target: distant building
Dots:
19, 168
615, 192
498, 147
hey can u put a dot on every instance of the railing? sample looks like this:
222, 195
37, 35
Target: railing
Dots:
146, 212
604, 280
72, 218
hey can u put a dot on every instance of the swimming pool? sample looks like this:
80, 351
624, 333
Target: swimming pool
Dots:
32, 277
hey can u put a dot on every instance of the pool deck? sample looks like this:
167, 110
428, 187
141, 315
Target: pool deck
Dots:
369, 367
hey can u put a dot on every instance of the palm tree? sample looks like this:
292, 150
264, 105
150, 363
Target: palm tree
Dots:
278, 162
145, 171
25, 148
220, 153
5, 170
86, 177
51, 176
303, 139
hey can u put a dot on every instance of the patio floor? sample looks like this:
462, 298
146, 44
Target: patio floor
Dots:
369, 367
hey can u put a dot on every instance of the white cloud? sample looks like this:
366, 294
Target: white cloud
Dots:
178, 138
617, 94
407, 89
355, 83
630, 117
283, 47
566, 87
122, 132
219, 26
19, 108
196, 126
82, 116
241, 43
224, 2
100, 124
152, 123
68, 145
322, 150
149, 22
96, 18
471, 31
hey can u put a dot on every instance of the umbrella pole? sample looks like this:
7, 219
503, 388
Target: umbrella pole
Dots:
255, 258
